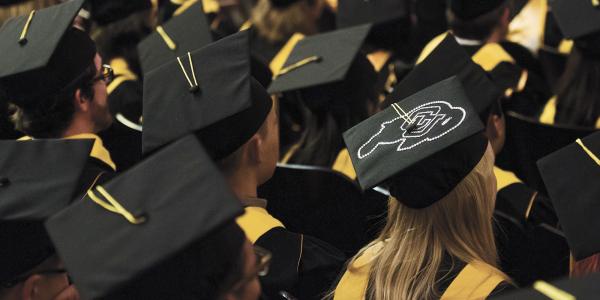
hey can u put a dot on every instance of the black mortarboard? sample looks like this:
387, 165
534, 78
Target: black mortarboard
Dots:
225, 108
571, 176
105, 12
352, 12
282, 3
471, 9
38, 178
320, 59
446, 60
576, 18
583, 288
423, 162
42, 55
143, 218
186, 32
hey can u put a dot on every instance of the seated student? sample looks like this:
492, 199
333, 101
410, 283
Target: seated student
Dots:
232, 114
480, 28
335, 101
37, 179
54, 79
429, 150
120, 26
571, 175
577, 101
523, 202
176, 204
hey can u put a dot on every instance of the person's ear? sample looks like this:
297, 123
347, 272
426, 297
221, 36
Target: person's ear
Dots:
254, 149
31, 287
80, 101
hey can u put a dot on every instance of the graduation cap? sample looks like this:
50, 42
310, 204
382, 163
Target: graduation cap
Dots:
38, 178
420, 147
320, 59
583, 288
470, 9
352, 12
571, 176
280, 4
105, 12
576, 18
446, 60
142, 218
42, 55
181, 34
210, 92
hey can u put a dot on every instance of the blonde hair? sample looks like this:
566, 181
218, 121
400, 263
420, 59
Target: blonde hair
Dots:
24, 8
415, 239
278, 25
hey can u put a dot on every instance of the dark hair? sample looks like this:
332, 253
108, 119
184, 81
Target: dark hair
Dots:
578, 97
333, 109
120, 39
479, 28
206, 269
51, 116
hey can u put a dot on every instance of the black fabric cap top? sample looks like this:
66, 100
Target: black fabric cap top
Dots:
420, 147
38, 178
142, 218
105, 12
320, 59
225, 108
446, 60
571, 176
352, 12
576, 18
42, 54
583, 288
471, 9
282, 3
180, 35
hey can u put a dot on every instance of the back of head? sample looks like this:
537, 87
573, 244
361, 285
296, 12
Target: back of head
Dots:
206, 269
475, 19
577, 101
417, 240
277, 20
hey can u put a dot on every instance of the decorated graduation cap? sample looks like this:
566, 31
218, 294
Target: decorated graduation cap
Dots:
210, 92
320, 59
469, 9
582, 288
42, 55
420, 147
352, 13
571, 176
181, 34
105, 12
38, 178
576, 18
446, 60
144, 218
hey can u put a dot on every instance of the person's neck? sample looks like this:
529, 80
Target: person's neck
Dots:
79, 126
243, 184
497, 36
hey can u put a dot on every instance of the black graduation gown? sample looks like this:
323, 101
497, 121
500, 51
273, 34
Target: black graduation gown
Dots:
7, 128
301, 265
122, 139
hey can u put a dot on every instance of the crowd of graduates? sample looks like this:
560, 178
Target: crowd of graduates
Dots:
299, 149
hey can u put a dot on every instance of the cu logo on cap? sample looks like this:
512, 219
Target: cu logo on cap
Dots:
433, 120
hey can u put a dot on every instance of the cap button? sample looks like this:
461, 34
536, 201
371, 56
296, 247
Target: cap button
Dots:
194, 89
4, 182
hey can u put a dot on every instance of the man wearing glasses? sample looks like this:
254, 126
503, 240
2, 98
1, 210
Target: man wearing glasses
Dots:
54, 81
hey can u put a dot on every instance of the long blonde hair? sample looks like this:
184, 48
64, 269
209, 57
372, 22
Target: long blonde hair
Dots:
414, 240
278, 25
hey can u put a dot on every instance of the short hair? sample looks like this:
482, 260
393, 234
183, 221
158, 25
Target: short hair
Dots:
479, 28
51, 116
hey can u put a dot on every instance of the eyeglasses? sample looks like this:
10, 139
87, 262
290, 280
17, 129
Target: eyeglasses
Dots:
263, 261
107, 74
15, 281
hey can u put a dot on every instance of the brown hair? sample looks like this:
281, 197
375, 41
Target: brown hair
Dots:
277, 25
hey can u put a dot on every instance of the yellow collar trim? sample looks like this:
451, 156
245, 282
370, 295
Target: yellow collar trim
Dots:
98, 149
122, 74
